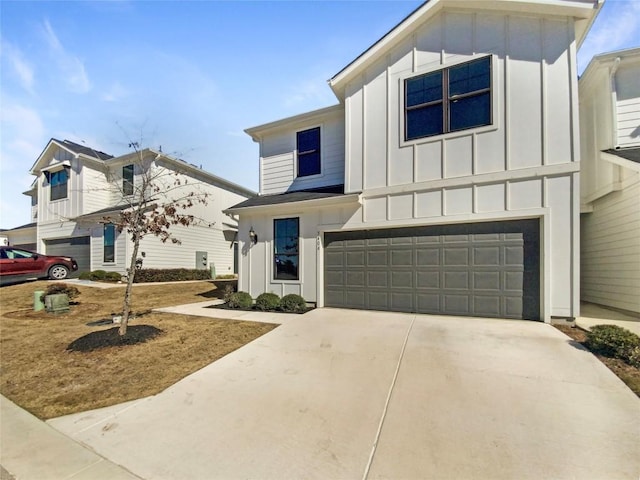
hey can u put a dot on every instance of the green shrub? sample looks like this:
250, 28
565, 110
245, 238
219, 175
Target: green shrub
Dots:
293, 303
113, 277
85, 275
170, 275
61, 288
98, 275
267, 301
240, 300
616, 342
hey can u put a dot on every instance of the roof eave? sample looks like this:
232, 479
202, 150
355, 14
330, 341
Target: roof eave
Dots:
316, 202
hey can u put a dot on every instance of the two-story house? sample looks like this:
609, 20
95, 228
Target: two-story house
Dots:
610, 182
446, 179
77, 187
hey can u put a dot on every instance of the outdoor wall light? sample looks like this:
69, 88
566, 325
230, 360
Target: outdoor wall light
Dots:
253, 236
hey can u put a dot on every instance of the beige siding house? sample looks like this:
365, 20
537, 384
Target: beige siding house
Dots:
76, 187
610, 193
446, 179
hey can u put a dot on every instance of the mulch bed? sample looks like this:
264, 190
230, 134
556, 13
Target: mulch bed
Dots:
628, 374
111, 338
224, 306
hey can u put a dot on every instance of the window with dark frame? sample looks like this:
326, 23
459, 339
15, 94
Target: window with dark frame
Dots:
127, 180
448, 100
308, 147
286, 248
58, 183
109, 243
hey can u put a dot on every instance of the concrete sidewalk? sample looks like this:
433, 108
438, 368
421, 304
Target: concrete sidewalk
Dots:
592, 314
31, 449
350, 394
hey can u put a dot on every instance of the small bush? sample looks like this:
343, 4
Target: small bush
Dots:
229, 276
293, 303
170, 275
113, 277
61, 288
240, 300
98, 275
267, 301
616, 342
85, 276
228, 291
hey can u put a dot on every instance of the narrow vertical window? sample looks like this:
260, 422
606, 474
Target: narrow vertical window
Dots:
127, 180
285, 244
58, 183
109, 242
308, 146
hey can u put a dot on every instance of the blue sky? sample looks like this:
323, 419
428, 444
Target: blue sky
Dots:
189, 76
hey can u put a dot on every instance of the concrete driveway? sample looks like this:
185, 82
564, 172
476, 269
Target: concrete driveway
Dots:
341, 394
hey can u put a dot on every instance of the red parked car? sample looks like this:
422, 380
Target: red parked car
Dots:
17, 264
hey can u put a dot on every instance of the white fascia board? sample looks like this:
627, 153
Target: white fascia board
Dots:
606, 60
35, 168
622, 162
303, 204
257, 132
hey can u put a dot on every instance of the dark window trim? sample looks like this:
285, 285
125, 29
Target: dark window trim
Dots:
308, 153
59, 191
276, 255
108, 251
447, 100
127, 183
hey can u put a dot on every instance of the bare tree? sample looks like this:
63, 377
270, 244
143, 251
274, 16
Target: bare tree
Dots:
158, 198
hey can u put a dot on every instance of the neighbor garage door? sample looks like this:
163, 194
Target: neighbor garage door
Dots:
76, 247
481, 269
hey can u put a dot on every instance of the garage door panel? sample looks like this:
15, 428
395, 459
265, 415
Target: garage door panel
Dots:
401, 258
377, 258
484, 269
425, 279
486, 256
334, 297
402, 279
456, 256
486, 281
355, 279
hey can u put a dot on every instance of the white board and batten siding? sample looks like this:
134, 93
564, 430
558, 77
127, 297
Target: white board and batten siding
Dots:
524, 164
278, 155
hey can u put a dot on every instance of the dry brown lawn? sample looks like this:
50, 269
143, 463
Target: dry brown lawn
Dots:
38, 372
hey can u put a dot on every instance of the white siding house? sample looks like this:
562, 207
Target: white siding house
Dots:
610, 194
445, 181
77, 187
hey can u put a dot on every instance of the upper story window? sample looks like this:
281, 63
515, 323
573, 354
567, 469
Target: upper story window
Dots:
127, 180
308, 146
58, 183
286, 232
448, 100
109, 243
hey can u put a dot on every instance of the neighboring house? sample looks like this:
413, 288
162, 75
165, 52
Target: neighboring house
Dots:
72, 195
610, 182
445, 181
23, 236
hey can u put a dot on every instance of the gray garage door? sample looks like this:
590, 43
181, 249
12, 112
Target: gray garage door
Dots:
481, 269
76, 247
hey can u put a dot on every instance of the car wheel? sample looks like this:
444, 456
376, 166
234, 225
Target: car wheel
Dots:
58, 272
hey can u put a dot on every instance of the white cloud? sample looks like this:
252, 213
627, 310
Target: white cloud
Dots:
71, 67
615, 28
115, 93
21, 68
23, 139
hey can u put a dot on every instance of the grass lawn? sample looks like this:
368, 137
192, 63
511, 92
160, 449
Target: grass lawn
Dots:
38, 372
